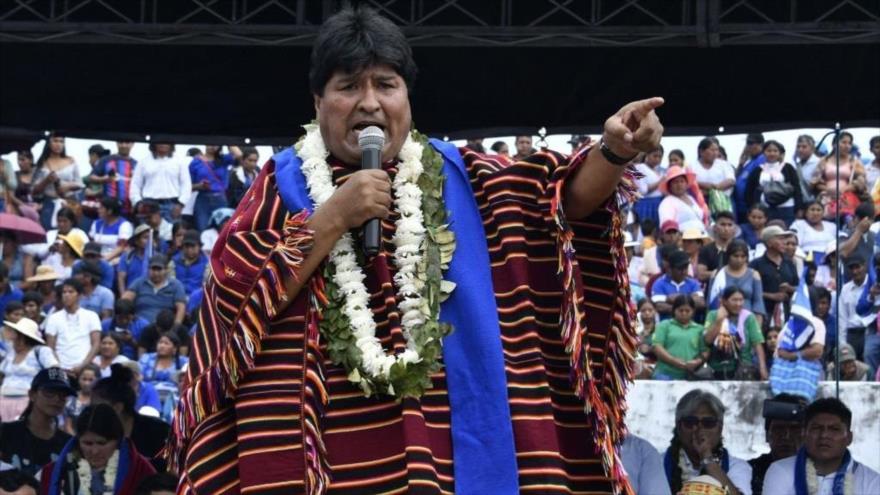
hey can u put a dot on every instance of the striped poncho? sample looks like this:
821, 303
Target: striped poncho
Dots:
267, 412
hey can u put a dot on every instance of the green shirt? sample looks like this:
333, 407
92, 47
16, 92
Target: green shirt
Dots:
683, 342
752, 336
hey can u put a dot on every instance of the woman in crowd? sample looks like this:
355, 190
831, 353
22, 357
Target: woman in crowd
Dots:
19, 263
209, 173
777, 184
814, 233
750, 232
86, 380
696, 446
57, 177
26, 357
110, 230
646, 207
844, 180
33, 440
735, 340
678, 342
147, 433
109, 353
66, 221
646, 323
715, 176
98, 460
691, 242
133, 263
683, 201
23, 199
736, 273
243, 176
676, 159
162, 368
70, 250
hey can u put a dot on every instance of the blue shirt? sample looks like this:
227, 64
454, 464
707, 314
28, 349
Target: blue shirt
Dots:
216, 174
11, 294
739, 188
665, 286
147, 396
148, 300
134, 267
644, 466
190, 275
135, 328
107, 272
100, 300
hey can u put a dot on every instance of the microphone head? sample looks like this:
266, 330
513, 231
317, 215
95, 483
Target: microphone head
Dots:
371, 138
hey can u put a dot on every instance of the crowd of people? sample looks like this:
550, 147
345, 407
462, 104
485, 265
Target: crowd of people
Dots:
103, 311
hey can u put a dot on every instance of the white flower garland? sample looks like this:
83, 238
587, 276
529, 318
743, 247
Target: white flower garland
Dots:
84, 472
349, 276
813, 480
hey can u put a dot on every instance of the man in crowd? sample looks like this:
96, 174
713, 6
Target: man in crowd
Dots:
779, 275
859, 239
851, 369
95, 297
73, 333
156, 292
150, 213
164, 179
851, 325
783, 429
714, 255
751, 159
644, 466
92, 252
115, 172
7, 291
652, 259
674, 283
126, 326
824, 464
805, 160
190, 263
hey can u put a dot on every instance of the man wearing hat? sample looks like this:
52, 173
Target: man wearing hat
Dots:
73, 332
779, 275
156, 291
150, 213
676, 283
33, 441
851, 325
851, 369
133, 264
92, 252
94, 297
190, 262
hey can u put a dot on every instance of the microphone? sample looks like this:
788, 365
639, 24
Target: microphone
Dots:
371, 140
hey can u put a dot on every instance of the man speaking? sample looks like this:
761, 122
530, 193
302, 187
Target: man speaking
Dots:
486, 347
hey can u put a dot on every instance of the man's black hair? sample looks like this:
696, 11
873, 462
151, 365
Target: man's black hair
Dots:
32, 296
123, 307
13, 480
354, 39
73, 284
157, 482
865, 210
829, 405
725, 214
12, 306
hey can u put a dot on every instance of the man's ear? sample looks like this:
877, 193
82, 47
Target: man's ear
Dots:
317, 103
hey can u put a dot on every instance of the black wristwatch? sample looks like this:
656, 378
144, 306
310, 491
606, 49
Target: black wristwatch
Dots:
611, 156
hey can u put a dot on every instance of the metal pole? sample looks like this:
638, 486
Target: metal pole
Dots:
837, 286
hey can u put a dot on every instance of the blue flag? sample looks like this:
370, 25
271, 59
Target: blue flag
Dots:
798, 330
864, 307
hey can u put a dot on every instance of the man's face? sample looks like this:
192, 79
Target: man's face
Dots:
724, 229
191, 251
678, 273
123, 320
69, 296
791, 246
378, 96
124, 147
804, 150
826, 437
822, 307
784, 437
857, 272
671, 237
524, 145
776, 243
848, 368
157, 274
32, 310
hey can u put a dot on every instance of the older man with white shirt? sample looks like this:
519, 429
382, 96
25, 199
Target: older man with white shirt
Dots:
163, 178
824, 465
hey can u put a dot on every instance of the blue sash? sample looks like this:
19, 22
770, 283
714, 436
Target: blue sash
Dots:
484, 455
121, 469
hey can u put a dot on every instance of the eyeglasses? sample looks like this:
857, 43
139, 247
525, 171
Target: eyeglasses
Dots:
707, 422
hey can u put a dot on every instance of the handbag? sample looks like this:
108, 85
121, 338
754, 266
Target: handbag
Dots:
777, 192
719, 201
704, 372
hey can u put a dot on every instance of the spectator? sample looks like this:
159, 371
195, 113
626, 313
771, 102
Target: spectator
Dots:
845, 187
15, 482
190, 263
126, 326
57, 178
713, 255
858, 238
94, 297
643, 465
733, 335
109, 353
824, 463
805, 160
683, 201
218, 220
178, 231
851, 326
44, 282
475, 144
872, 170
738, 274
715, 176
35, 439
646, 324
826, 276
164, 323
797, 364
158, 484
87, 378
156, 292
99, 460
779, 276
110, 230
162, 178
27, 356
23, 200
33, 307
147, 399
851, 369
750, 232
115, 173
243, 176
133, 264
675, 283
162, 368
150, 213
209, 173
646, 207
73, 333
652, 257
678, 343
92, 253
147, 434
776, 184
19, 264
14, 311
793, 252
820, 299
66, 221
524, 148
783, 429
696, 446
8, 292
813, 233
691, 243
676, 159
501, 148
70, 250
869, 304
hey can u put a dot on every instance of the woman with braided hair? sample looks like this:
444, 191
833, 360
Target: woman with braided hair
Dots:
696, 446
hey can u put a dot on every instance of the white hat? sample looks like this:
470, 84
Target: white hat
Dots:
26, 327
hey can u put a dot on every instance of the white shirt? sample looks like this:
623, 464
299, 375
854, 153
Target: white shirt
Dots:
108, 239
717, 173
73, 333
17, 377
773, 172
848, 318
686, 215
105, 372
41, 250
810, 239
209, 237
161, 178
739, 472
651, 178
779, 479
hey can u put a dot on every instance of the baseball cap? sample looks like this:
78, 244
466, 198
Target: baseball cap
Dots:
92, 248
158, 260
772, 231
679, 259
847, 353
191, 237
669, 225
53, 378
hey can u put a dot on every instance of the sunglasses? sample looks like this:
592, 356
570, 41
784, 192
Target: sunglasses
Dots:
707, 422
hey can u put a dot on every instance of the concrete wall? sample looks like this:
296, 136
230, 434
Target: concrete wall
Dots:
651, 414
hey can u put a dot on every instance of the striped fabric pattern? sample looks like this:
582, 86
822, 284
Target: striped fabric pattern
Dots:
266, 412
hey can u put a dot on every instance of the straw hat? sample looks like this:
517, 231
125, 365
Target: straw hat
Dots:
674, 172
45, 273
76, 241
694, 234
26, 327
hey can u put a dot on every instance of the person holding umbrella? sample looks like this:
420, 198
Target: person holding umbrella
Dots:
15, 231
